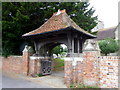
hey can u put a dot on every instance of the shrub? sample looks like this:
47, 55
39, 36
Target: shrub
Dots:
108, 45
40, 75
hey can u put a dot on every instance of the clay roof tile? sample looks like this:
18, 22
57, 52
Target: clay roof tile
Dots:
57, 22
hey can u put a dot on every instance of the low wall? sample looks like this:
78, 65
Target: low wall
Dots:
21, 65
0, 63
34, 65
99, 71
73, 74
93, 70
15, 64
109, 71
12, 64
83, 70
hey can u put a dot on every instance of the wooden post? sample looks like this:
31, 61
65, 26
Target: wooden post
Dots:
69, 43
72, 46
78, 44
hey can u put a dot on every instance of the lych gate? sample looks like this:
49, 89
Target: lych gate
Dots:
59, 29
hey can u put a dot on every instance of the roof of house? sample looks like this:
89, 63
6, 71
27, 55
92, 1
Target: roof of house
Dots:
58, 21
105, 33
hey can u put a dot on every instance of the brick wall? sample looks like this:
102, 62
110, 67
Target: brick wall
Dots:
73, 73
90, 68
97, 71
68, 69
109, 71
34, 66
15, 64
12, 64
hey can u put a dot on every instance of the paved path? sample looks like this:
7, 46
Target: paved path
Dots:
10, 82
55, 80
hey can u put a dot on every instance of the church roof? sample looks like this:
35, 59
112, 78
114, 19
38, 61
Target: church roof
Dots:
59, 20
106, 32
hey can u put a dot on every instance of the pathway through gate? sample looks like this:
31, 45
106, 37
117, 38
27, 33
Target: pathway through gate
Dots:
55, 80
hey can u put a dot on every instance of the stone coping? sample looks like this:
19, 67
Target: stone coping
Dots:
108, 57
35, 57
11, 56
73, 58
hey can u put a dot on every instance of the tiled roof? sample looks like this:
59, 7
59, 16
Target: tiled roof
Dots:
57, 22
105, 33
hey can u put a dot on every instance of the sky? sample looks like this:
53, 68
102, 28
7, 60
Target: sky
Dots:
107, 11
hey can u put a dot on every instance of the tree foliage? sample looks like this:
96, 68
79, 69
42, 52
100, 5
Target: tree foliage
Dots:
21, 17
108, 45
57, 50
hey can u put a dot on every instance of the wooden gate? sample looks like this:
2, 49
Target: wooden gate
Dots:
46, 66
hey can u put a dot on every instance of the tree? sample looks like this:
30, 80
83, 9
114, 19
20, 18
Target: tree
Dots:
21, 17
108, 45
57, 50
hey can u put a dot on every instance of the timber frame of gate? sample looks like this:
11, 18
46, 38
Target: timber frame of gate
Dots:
59, 29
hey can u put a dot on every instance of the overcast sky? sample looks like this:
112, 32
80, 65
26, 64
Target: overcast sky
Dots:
107, 11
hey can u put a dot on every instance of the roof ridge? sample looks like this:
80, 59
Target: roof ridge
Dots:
105, 29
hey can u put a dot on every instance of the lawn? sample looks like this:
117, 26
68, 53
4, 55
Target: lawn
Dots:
58, 64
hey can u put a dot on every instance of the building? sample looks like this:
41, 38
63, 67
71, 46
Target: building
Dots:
59, 29
111, 32
117, 36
